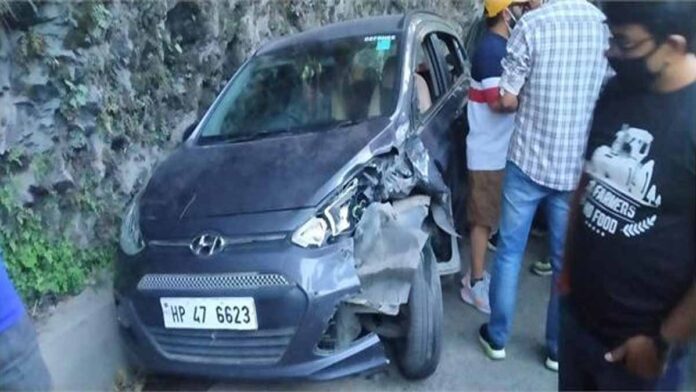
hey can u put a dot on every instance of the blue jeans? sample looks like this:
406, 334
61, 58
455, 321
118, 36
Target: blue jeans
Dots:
583, 367
22, 368
521, 197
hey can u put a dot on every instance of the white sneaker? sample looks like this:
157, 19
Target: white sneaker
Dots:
551, 364
476, 296
486, 278
542, 267
491, 350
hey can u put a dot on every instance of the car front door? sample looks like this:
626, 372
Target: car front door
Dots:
439, 62
452, 58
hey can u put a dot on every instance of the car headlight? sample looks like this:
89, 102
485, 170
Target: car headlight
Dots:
337, 217
131, 239
313, 233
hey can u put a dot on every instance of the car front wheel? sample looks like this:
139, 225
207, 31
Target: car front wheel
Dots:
418, 351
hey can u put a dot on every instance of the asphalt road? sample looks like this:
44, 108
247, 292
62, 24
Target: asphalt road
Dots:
463, 366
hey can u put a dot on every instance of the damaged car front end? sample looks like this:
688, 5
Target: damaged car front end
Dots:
300, 250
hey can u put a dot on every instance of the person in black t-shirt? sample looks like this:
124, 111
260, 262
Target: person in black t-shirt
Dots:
630, 269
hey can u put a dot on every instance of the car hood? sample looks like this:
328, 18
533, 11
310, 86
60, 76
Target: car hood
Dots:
271, 174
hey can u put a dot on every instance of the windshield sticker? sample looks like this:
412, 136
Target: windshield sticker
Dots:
383, 42
383, 45
373, 38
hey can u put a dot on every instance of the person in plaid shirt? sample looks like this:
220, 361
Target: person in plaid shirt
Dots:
552, 73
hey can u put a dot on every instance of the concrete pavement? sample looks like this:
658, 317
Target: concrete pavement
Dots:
79, 341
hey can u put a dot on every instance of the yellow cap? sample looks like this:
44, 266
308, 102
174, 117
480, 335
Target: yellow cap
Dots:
494, 7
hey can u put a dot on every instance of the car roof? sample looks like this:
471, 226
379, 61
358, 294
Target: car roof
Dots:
374, 25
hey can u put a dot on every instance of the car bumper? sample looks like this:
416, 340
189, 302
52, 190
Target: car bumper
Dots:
296, 291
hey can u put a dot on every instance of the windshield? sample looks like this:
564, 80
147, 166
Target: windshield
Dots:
308, 87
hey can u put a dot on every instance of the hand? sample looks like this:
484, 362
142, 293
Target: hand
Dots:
508, 101
640, 355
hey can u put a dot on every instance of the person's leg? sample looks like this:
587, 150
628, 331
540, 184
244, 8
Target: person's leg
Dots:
493, 242
690, 376
540, 228
483, 213
582, 363
520, 199
22, 367
479, 241
557, 209
483, 210
615, 377
539, 225
475, 283
676, 373
573, 353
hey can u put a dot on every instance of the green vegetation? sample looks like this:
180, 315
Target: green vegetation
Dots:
100, 118
40, 265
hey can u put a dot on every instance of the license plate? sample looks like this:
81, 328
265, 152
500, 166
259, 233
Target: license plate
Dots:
209, 313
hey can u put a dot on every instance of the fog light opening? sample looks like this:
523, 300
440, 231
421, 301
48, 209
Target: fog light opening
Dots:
342, 330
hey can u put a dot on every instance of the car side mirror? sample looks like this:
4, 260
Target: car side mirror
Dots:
188, 131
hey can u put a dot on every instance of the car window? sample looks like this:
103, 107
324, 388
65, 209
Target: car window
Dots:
462, 54
424, 79
308, 87
448, 49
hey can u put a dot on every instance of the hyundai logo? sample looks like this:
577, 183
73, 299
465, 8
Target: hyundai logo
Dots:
207, 245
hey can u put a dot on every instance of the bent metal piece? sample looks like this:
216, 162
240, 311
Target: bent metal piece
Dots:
388, 243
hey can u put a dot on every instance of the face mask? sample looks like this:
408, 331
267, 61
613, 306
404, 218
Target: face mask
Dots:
634, 74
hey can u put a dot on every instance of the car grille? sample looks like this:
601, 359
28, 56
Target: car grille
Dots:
264, 347
186, 282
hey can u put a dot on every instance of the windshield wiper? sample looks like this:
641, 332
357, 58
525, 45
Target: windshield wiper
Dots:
257, 135
347, 123
280, 132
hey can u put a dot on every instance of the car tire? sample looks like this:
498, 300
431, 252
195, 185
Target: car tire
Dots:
418, 352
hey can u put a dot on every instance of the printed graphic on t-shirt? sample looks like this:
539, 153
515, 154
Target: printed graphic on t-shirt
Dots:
620, 196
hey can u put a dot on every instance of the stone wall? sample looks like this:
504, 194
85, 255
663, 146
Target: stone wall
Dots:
93, 94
